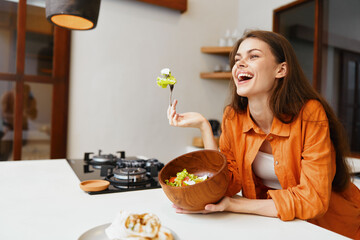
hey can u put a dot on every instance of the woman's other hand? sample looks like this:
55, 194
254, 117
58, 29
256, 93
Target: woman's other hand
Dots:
209, 208
263, 207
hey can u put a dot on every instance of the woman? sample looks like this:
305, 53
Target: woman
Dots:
284, 145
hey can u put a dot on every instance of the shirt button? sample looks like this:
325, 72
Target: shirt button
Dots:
270, 138
276, 162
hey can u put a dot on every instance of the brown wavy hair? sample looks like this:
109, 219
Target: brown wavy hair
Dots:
289, 96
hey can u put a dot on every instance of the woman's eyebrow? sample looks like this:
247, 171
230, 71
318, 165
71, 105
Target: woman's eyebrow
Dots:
249, 51
254, 49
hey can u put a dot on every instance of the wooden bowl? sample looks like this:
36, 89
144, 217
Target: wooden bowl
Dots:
203, 162
94, 185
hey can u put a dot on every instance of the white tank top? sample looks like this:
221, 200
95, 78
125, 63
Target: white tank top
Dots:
263, 167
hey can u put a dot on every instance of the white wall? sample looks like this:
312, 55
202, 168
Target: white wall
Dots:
258, 14
115, 103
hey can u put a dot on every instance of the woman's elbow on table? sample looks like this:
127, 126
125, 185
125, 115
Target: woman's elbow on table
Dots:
290, 208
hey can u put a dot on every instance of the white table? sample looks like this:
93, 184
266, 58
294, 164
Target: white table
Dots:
41, 199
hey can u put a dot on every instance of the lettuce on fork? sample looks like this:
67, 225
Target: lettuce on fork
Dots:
166, 78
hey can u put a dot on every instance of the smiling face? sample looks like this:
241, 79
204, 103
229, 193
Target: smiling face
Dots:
256, 69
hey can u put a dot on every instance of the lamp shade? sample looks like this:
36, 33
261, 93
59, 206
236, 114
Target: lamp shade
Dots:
73, 14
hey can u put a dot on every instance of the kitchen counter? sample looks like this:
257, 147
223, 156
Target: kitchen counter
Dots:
41, 199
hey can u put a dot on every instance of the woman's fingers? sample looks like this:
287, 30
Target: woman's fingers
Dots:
172, 113
183, 211
211, 207
220, 206
173, 117
189, 119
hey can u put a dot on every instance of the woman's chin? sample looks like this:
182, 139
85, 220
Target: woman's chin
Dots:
241, 92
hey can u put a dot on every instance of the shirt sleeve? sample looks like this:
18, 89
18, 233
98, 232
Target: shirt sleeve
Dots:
310, 198
226, 148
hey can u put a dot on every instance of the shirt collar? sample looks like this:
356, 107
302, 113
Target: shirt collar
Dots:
277, 128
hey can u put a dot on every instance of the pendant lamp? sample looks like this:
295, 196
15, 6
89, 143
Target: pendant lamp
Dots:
73, 14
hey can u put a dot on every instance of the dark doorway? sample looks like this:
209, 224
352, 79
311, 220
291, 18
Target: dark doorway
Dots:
349, 100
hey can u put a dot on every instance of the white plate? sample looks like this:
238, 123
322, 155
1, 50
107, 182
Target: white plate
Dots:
98, 233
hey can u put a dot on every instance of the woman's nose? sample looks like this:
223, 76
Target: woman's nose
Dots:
241, 64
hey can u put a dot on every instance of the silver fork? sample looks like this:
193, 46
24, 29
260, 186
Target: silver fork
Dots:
171, 90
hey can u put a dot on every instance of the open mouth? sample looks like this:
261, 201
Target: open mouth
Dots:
244, 76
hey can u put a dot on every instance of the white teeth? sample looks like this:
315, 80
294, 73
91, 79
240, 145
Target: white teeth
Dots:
245, 75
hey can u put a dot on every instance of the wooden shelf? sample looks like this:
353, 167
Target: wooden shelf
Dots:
216, 50
216, 75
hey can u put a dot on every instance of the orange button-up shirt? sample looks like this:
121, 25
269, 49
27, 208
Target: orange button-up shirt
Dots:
304, 162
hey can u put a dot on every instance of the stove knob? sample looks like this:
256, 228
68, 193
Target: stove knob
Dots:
136, 164
154, 160
120, 164
160, 166
151, 162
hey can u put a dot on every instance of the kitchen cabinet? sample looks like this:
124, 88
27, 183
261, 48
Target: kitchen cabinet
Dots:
221, 51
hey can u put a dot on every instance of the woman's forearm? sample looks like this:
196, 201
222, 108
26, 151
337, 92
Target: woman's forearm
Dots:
208, 136
264, 207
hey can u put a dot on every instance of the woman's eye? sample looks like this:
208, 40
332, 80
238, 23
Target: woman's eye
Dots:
253, 56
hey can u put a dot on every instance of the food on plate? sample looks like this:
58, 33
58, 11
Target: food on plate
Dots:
183, 178
135, 226
166, 78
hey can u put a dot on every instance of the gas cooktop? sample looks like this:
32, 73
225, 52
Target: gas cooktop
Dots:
123, 173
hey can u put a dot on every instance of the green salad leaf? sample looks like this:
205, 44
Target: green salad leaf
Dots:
184, 178
166, 78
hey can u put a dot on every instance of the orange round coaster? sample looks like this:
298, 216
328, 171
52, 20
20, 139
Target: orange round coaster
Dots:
94, 185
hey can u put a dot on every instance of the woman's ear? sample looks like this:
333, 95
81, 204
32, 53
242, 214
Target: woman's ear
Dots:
282, 70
